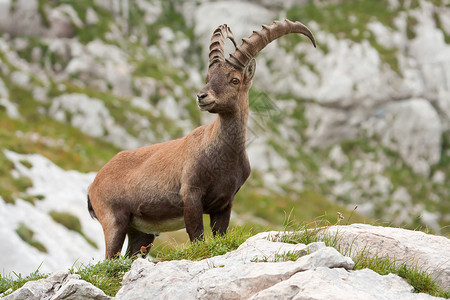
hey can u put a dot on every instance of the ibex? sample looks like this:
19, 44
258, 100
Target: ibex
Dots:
170, 185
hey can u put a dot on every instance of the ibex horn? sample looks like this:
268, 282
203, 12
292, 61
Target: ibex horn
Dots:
216, 48
260, 39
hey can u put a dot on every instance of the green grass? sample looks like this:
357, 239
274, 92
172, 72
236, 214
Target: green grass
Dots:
208, 247
10, 283
106, 275
10, 187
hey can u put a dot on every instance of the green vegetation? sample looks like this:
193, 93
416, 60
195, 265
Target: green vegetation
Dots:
10, 187
106, 275
8, 283
27, 235
71, 222
209, 247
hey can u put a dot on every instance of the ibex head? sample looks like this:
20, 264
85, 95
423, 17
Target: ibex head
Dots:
228, 80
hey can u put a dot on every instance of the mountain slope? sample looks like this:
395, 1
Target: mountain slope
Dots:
361, 121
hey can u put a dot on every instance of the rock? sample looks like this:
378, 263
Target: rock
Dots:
411, 127
99, 64
24, 20
58, 286
324, 283
91, 116
337, 156
255, 271
91, 16
237, 274
259, 269
75, 289
328, 126
428, 252
20, 78
23, 17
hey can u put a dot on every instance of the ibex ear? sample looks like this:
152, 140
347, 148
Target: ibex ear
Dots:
250, 70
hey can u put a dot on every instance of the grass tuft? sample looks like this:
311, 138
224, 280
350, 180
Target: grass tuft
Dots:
208, 247
106, 275
9, 284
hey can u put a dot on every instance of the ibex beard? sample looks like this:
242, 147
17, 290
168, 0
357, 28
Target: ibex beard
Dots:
169, 186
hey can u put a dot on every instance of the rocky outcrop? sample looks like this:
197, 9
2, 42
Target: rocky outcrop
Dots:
235, 275
29, 17
429, 253
127, 72
264, 268
58, 286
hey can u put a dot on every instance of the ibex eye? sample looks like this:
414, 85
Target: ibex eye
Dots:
235, 81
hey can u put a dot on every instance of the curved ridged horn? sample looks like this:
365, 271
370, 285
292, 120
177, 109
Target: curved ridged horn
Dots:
216, 48
260, 39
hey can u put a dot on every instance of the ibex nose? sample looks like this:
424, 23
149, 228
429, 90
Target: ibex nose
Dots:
202, 96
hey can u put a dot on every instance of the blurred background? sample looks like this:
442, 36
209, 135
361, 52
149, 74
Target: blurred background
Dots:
359, 125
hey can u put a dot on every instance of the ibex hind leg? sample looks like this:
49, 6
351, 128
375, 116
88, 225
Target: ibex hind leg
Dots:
139, 242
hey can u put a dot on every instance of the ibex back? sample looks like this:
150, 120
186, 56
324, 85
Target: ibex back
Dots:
168, 186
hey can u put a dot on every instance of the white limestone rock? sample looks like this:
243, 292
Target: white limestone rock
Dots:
99, 64
251, 272
339, 284
58, 286
91, 116
240, 273
25, 19
328, 126
255, 271
428, 252
411, 127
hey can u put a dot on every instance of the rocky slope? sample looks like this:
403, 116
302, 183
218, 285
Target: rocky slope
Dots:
265, 268
363, 120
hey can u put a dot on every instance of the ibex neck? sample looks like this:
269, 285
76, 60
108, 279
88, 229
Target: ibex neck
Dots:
230, 131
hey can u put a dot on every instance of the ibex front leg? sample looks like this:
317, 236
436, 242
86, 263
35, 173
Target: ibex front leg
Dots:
193, 211
220, 221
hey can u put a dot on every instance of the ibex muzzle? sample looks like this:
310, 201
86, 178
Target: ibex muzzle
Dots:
168, 186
